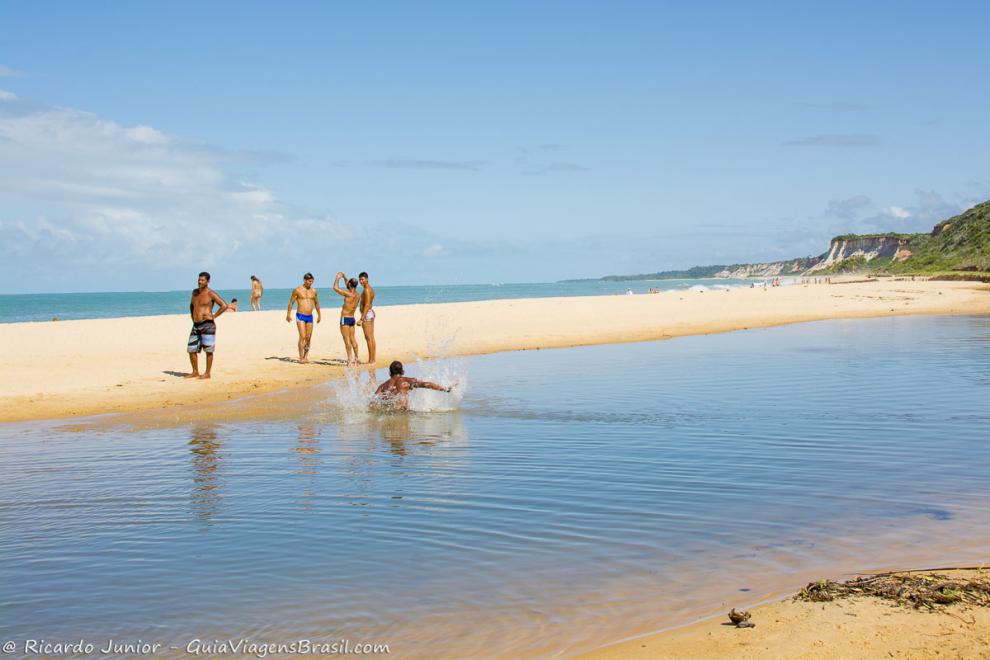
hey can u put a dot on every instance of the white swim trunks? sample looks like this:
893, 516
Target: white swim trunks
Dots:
370, 315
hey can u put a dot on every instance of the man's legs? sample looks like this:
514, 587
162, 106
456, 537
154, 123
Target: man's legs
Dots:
209, 366
347, 344
192, 347
369, 337
194, 361
303, 341
351, 337
309, 338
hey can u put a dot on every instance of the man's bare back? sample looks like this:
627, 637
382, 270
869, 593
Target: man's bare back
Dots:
393, 394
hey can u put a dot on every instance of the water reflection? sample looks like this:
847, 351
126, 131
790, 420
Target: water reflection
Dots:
207, 477
308, 448
405, 433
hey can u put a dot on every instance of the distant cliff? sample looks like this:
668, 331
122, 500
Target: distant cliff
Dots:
960, 244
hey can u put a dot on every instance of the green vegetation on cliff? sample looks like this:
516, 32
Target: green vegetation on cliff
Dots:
959, 244
955, 247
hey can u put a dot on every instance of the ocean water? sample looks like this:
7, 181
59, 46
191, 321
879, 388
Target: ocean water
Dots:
562, 500
67, 306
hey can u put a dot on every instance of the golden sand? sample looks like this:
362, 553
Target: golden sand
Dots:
67, 368
850, 628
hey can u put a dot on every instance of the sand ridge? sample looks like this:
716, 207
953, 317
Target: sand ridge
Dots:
69, 368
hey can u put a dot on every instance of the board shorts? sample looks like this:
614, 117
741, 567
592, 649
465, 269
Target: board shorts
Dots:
347, 320
370, 315
305, 318
203, 337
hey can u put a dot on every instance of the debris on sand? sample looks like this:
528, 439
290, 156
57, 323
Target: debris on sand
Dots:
916, 589
741, 619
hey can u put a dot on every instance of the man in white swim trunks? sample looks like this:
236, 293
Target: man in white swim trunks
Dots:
367, 320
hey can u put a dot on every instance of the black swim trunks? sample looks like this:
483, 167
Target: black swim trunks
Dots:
203, 337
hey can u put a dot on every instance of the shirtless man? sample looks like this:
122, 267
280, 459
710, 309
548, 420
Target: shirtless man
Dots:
257, 290
393, 394
204, 331
347, 320
367, 320
305, 298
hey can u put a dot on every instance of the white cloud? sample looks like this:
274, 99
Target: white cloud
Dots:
88, 191
897, 212
435, 250
7, 96
7, 72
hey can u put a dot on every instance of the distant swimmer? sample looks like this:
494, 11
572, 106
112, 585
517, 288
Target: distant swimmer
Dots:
204, 331
347, 320
393, 394
257, 290
305, 298
232, 307
367, 320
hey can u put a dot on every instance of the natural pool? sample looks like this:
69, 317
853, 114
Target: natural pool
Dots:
572, 498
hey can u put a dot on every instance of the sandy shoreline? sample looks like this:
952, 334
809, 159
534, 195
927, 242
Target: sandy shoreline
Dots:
70, 368
861, 627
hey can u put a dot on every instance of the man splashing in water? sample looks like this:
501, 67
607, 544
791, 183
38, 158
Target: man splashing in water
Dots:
393, 394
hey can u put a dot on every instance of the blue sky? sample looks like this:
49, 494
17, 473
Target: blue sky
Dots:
469, 142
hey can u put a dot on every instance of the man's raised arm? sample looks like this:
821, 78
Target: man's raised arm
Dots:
316, 301
336, 280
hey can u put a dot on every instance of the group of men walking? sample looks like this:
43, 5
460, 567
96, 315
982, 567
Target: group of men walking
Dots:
306, 299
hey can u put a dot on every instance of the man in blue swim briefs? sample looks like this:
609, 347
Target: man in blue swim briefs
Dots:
204, 331
305, 298
347, 320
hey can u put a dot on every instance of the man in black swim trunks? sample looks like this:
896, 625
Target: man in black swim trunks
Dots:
347, 320
204, 331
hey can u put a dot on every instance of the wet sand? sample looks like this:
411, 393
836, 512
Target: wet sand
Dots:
845, 628
69, 368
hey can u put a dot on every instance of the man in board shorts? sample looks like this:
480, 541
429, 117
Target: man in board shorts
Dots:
347, 320
203, 336
305, 298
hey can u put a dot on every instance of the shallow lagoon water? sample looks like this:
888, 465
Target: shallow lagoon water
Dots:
573, 498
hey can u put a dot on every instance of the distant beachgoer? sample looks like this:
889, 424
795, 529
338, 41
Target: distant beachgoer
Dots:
347, 320
257, 290
367, 320
305, 298
204, 331
393, 394
629, 292
232, 307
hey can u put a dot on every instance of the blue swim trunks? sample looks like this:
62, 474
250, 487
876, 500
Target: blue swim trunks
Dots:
305, 318
347, 320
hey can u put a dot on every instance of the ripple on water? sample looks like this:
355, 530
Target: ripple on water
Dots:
571, 497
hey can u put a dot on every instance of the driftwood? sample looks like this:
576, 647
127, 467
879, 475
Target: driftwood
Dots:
918, 589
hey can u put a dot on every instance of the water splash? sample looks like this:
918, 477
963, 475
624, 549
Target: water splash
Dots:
355, 392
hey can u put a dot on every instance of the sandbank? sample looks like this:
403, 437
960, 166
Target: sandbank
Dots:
69, 368
862, 627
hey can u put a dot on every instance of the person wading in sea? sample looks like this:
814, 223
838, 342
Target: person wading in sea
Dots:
204, 331
306, 298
